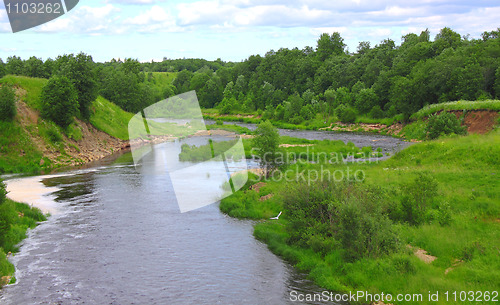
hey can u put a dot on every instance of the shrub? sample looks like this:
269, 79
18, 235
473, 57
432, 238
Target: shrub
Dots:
376, 112
346, 114
443, 124
7, 103
323, 215
59, 101
444, 214
417, 197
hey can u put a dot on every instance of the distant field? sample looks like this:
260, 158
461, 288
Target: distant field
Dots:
165, 77
458, 105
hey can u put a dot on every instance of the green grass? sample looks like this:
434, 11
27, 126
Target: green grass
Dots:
230, 127
33, 87
368, 120
164, 77
466, 170
458, 105
20, 218
17, 152
110, 118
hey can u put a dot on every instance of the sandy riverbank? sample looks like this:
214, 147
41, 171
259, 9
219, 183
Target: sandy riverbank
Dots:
32, 191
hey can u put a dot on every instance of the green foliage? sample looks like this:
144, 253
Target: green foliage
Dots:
266, 142
346, 114
59, 101
110, 118
74, 132
366, 99
418, 196
15, 219
80, 71
376, 112
443, 124
32, 86
416, 130
7, 103
18, 154
458, 105
3, 70
322, 215
50, 132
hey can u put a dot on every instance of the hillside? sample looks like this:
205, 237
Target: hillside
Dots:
32, 144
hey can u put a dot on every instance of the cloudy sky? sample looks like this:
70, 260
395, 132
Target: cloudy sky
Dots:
235, 29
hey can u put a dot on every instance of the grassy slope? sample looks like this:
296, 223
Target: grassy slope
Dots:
110, 118
458, 105
466, 169
17, 152
33, 87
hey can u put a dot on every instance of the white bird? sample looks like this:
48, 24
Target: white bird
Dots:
277, 217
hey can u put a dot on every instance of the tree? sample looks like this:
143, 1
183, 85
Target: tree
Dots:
330, 45
14, 65
3, 70
7, 103
59, 101
183, 81
80, 71
446, 38
366, 99
266, 142
33, 67
497, 83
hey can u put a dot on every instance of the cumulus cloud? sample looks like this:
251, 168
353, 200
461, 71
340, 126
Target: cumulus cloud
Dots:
153, 20
85, 19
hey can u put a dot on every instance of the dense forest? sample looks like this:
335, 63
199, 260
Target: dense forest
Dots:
295, 85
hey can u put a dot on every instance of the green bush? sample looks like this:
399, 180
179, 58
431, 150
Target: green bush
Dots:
376, 112
53, 134
59, 101
346, 114
74, 132
324, 215
444, 124
7, 103
418, 195
416, 130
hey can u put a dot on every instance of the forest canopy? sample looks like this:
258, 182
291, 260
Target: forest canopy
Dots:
294, 85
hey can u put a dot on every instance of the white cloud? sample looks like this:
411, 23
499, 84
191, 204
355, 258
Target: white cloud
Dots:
155, 19
155, 14
85, 19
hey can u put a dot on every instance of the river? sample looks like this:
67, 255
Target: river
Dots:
116, 236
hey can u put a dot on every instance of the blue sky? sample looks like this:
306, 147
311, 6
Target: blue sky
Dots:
235, 29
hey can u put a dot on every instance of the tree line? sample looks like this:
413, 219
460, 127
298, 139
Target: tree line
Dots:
292, 85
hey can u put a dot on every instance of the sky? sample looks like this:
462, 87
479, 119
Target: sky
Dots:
235, 29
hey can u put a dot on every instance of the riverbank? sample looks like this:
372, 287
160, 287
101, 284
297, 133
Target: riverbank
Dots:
15, 220
450, 243
478, 116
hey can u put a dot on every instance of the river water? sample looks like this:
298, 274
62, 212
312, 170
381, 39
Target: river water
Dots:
116, 236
